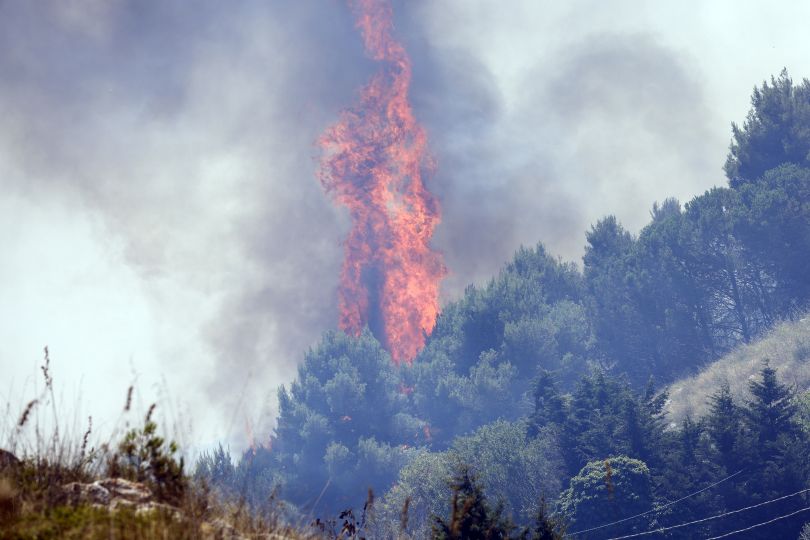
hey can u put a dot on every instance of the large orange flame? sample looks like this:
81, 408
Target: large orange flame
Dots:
373, 162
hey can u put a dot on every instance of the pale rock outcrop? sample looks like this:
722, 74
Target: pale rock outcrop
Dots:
115, 493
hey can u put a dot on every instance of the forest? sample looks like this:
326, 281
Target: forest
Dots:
660, 389
538, 407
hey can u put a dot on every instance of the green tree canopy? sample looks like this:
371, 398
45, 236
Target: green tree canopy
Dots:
605, 491
776, 131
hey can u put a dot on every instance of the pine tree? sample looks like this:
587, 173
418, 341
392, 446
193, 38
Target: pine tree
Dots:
771, 411
471, 516
723, 426
780, 448
549, 407
546, 526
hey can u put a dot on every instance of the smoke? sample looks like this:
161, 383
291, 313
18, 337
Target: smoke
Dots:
161, 211
187, 138
537, 144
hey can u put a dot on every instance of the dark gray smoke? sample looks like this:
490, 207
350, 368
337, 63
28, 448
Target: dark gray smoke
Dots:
607, 124
188, 133
191, 133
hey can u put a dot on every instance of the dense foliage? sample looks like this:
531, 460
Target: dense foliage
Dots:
541, 381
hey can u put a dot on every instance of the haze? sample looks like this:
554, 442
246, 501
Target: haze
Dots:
161, 221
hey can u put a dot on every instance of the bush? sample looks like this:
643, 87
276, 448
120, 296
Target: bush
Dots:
605, 491
144, 456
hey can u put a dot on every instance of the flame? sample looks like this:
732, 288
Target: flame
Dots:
250, 437
373, 162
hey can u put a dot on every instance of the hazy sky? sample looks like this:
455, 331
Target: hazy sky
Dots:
160, 222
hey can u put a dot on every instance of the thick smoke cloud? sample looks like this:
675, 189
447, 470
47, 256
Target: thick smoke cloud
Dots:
189, 135
547, 116
157, 166
604, 124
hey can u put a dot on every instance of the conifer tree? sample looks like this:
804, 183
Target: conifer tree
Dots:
778, 450
771, 411
546, 526
723, 426
549, 406
471, 517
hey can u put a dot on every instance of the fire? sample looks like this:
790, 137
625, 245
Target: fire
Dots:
373, 164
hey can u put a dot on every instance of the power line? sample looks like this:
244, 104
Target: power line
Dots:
710, 518
760, 524
660, 507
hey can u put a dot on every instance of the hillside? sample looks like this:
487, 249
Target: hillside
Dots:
541, 383
787, 349
532, 408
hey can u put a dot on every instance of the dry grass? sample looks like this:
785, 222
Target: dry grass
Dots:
787, 349
33, 503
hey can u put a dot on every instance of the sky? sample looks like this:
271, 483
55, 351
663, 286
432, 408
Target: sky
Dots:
160, 221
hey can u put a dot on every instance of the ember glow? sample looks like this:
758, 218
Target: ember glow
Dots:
373, 163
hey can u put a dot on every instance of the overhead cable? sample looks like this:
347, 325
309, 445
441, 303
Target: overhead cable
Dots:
710, 518
658, 509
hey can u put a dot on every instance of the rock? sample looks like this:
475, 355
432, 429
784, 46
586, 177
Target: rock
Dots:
118, 494
8, 498
126, 490
109, 492
8, 461
168, 509
78, 493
